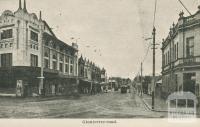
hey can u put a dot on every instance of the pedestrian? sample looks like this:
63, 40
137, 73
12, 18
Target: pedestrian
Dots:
197, 89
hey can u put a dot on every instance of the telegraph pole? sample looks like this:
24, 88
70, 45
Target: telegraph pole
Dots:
141, 72
141, 80
41, 78
154, 48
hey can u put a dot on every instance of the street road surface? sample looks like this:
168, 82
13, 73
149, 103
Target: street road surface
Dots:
105, 105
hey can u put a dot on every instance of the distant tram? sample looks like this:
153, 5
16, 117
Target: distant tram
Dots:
124, 89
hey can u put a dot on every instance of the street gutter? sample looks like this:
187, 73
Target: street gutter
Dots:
156, 110
149, 107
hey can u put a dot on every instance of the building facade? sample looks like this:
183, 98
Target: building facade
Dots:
32, 58
181, 56
91, 77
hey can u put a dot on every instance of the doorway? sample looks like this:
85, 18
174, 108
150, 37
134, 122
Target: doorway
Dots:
189, 82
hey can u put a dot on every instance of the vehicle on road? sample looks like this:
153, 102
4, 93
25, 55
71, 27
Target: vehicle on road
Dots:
124, 89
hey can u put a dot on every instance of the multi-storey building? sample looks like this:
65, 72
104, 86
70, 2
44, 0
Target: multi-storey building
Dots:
32, 58
89, 76
181, 56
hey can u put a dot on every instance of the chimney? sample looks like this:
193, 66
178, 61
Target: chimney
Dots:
40, 15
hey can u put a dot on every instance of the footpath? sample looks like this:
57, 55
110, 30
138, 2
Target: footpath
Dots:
160, 105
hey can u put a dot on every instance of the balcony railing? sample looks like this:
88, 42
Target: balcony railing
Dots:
9, 40
190, 61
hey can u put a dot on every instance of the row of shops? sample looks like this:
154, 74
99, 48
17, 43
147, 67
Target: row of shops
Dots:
24, 81
34, 62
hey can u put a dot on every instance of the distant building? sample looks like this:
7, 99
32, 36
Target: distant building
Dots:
147, 84
103, 76
28, 47
181, 56
112, 84
119, 81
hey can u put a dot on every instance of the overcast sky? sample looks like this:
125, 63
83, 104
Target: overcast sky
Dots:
111, 32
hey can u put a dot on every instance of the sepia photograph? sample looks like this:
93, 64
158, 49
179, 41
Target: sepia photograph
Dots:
100, 61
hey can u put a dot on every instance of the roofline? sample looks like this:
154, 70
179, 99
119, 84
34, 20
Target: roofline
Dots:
61, 41
49, 28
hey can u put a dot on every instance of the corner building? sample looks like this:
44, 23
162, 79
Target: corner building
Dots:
181, 56
33, 61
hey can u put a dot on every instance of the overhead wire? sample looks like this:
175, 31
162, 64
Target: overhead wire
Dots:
184, 7
154, 20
